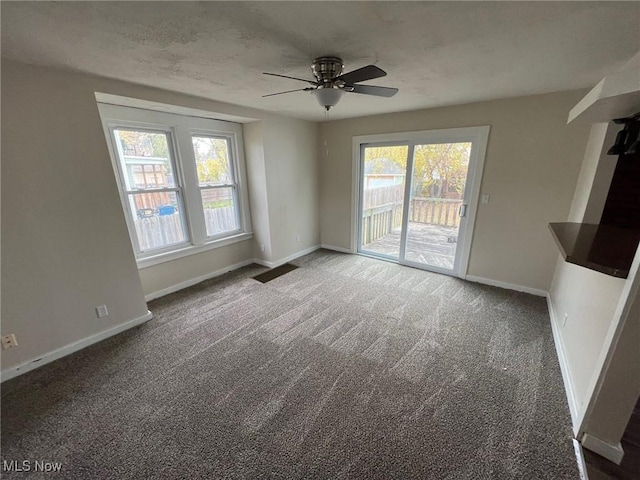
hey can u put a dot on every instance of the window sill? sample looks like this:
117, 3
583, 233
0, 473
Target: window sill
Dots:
192, 250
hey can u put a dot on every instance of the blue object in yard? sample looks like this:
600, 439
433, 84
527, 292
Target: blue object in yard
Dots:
166, 210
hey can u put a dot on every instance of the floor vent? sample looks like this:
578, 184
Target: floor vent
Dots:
275, 272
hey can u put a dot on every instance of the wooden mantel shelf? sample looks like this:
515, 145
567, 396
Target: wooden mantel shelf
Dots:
603, 248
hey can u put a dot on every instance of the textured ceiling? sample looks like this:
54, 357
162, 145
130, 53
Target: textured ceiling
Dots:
436, 53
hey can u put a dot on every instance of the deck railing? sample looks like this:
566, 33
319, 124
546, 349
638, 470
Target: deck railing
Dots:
382, 211
435, 211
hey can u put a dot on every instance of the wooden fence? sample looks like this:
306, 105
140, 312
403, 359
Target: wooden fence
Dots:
380, 196
161, 230
382, 211
219, 220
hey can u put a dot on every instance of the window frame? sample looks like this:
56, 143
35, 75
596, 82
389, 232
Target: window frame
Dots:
234, 175
178, 189
179, 130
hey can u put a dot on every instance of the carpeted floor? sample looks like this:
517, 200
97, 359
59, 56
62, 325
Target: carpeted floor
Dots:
346, 368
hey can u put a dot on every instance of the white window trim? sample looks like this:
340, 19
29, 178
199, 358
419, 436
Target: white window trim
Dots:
180, 129
125, 192
192, 250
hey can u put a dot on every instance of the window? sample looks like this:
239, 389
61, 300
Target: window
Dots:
180, 180
153, 196
216, 180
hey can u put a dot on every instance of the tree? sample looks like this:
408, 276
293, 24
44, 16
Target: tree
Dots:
212, 160
159, 145
144, 144
213, 167
377, 158
439, 169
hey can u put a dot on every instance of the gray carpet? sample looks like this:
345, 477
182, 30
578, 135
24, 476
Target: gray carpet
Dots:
346, 368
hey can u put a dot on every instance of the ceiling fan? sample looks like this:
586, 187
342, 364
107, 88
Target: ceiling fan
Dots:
331, 83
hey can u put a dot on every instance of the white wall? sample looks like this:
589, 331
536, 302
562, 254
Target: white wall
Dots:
66, 248
599, 344
292, 186
158, 280
618, 387
258, 195
595, 175
589, 299
532, 165
283, 179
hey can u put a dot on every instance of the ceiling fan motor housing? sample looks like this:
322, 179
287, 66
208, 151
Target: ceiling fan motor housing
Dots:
326, 69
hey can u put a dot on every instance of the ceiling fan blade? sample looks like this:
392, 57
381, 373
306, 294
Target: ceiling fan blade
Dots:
308, 89
292, 78
372, 90
362, 74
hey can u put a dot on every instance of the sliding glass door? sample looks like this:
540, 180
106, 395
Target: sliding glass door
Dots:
416, 197
436, 203
383, 188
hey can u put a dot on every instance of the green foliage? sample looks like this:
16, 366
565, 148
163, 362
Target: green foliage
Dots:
144, 144
378, 157
438, 169
218, 204
212, 160
160, 147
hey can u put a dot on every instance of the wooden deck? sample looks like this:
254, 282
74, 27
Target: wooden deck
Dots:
426, 244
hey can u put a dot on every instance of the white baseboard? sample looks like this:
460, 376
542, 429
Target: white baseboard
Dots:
508, 286
557, 340
582, 466
336, 249
263, 263
282, 261
85, 342
602, 448
25, 367
202, 278
230, 268
574, 408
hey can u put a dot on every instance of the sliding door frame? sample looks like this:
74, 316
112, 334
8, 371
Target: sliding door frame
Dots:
360, 198
478, 136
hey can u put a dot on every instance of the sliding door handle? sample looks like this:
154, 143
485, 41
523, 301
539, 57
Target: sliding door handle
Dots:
462, 211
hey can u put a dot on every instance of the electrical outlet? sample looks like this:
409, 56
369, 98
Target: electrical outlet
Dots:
297, 237
564, 320
262, 248
101, 311
484, 198
9, 341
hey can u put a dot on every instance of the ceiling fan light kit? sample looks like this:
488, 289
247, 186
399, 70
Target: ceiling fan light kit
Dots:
328, 97
330, 83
